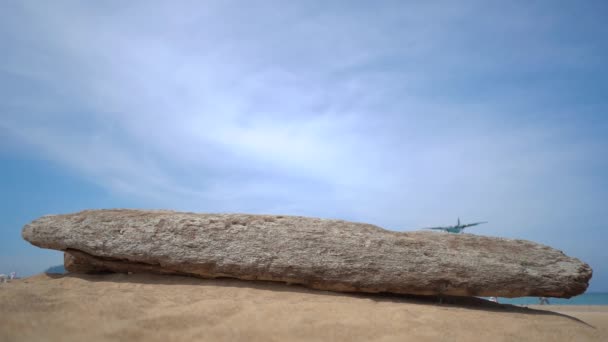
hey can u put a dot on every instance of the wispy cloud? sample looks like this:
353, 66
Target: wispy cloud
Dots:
401, 115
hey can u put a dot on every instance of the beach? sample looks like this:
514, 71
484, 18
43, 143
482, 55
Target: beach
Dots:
144, 307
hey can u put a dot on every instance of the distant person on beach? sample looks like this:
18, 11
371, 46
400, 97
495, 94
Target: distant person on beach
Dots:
7, 278
543, 301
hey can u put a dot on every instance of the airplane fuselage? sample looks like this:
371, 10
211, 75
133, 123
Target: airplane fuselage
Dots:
455, 230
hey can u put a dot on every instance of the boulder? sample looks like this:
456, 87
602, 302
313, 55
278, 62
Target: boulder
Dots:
318, 253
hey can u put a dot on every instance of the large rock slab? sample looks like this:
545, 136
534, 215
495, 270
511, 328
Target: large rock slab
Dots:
318, 253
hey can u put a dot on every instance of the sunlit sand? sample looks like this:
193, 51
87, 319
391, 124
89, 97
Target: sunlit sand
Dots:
140, 307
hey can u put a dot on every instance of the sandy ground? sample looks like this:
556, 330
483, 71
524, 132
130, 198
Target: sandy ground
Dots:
119, 307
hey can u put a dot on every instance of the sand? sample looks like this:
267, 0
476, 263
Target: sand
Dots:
120, 307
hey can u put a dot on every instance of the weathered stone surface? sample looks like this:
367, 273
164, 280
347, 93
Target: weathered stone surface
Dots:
318, 253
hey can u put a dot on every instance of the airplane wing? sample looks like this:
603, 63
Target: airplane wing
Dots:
436, 228
473, 224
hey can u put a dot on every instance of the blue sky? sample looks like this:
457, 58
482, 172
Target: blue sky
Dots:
401, 114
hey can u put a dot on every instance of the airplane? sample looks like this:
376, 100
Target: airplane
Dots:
458, 228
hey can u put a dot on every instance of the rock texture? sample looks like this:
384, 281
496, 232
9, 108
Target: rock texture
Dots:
318, 253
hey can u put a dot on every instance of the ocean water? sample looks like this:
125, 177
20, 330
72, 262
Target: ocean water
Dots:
584, 299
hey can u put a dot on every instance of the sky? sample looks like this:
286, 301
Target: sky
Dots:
403, 114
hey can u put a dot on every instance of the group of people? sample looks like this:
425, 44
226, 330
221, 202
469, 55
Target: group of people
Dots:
6, 278
543, 301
